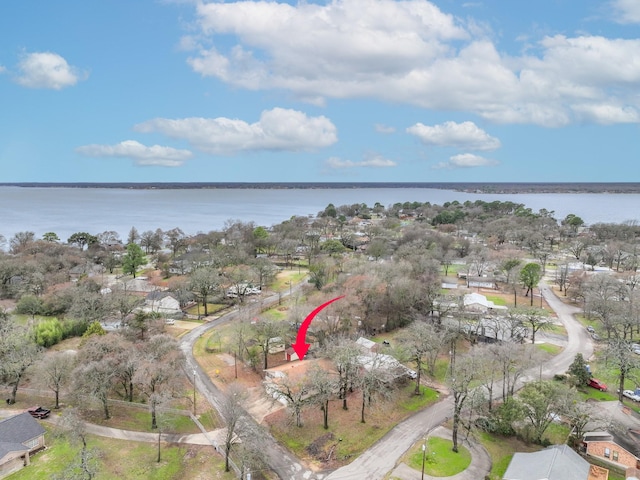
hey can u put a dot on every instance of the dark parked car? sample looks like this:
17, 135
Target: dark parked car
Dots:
38, 412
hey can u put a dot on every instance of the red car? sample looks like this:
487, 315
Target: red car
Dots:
597, 384
39, 412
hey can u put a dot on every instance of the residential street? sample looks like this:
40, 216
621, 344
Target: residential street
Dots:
383, 457
283, 463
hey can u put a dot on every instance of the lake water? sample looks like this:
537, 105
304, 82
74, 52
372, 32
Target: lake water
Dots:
94, 210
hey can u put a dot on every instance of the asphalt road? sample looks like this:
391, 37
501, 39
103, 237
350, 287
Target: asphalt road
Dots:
384, 455
280, 460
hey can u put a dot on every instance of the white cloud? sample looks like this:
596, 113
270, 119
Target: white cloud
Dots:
466, 160
409, 51
373, 161
606, 114
278, 129
141, 154
386, 129
465, 135
627, 11
2, 69
46, 70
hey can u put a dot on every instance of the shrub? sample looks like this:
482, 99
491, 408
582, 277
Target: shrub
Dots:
48, 332
94, 329
73, 328
30, 305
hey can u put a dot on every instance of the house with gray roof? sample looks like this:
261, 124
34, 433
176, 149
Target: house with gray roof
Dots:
20, 436
558, 462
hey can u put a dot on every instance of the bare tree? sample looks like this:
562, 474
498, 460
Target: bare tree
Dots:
374, 380
323, 388
620, 353
233, 415
204, 282
55, 372
265, 332
158, 373
463, 373
536, 319
419, 339
85, 466
95, 379
296, 392
124, 303
18, 352
344, 354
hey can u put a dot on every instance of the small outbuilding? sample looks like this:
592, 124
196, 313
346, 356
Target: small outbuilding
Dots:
290, 355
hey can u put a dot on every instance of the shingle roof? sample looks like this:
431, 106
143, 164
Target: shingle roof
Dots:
17, 430
558, 462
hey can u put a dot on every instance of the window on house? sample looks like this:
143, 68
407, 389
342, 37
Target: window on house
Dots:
615, 456
31, 443
607, 452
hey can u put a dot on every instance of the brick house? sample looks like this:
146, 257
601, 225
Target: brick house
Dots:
20, 436
601, 445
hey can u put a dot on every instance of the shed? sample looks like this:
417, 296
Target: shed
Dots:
290, 355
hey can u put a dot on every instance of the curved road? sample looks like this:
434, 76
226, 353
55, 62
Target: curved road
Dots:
383, 456
280, 460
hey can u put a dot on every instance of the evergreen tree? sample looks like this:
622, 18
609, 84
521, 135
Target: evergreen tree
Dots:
133, 259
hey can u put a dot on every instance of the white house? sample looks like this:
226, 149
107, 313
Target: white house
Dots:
479, 303
161, 302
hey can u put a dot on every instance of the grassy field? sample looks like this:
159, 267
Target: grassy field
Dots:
549, 348
130, 460
281, 283
212, 309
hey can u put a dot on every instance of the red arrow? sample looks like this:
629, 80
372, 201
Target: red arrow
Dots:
301, 347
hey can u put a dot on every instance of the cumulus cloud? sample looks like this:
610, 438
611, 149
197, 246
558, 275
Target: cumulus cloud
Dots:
142, 155
380, 128
372, 161
466, 160
46, 70
627, 11
410, 51
278, 129
465, 135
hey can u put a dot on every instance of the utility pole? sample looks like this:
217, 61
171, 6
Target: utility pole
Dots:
424, 454
194, 392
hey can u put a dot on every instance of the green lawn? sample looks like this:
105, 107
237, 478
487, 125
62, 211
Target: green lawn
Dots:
130, 460
497, 300
212, 309
439, 459
549, 348
281, 283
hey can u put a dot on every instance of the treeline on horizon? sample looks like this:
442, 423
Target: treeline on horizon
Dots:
474, 187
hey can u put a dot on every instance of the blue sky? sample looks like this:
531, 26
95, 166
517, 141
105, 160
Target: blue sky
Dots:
349, 90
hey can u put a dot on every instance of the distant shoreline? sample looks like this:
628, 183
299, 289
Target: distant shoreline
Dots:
469, 187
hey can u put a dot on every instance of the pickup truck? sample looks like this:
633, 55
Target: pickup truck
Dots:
38, 412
